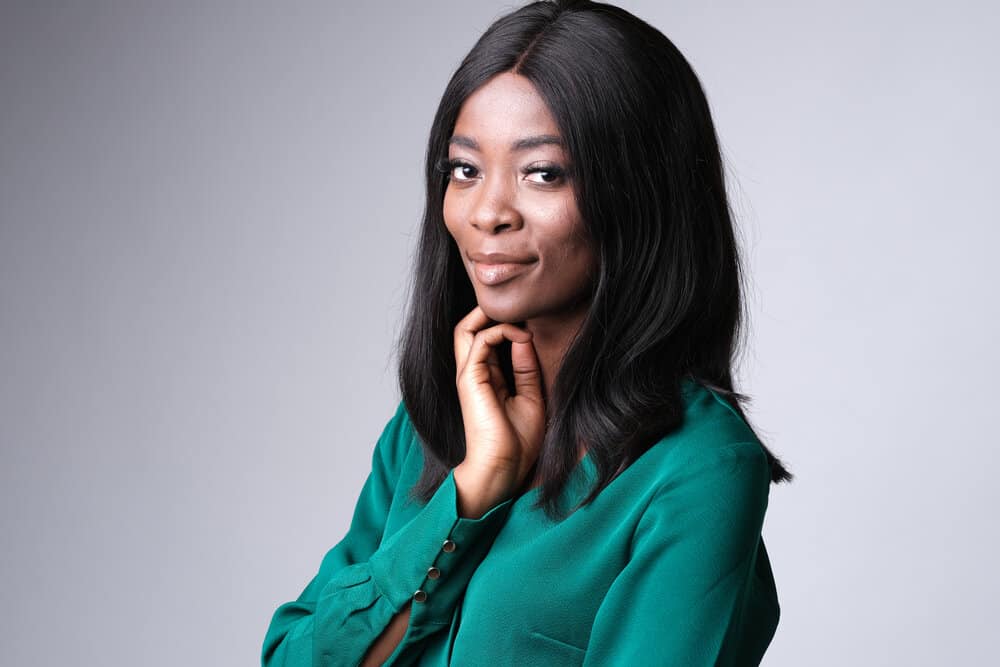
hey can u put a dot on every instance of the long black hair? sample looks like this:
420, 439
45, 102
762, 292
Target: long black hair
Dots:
648, 177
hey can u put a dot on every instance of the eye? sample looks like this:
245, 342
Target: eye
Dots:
449, 167
551, 174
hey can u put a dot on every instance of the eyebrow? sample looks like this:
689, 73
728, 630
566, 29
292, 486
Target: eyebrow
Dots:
525, 143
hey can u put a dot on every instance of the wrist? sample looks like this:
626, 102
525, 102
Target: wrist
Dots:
480, 488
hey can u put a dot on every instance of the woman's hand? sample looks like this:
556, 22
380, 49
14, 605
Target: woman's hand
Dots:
503, 432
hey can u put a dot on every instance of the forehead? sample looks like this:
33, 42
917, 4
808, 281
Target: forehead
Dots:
504, 109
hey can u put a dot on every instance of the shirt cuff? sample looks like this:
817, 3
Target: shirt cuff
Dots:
431, 559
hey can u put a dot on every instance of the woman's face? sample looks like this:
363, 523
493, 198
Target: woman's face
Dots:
507, 195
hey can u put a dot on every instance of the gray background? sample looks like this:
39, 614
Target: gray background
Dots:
208, 212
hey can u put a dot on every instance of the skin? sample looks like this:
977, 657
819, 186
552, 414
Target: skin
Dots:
492, 205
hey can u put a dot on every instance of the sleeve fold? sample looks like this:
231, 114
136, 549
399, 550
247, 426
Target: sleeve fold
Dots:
368, 577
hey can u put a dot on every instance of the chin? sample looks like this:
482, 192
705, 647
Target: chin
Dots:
509, 315
498, 311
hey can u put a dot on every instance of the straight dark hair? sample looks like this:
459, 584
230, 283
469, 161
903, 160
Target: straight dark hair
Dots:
648, 178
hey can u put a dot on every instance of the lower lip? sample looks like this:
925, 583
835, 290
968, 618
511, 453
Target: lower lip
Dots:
495, 274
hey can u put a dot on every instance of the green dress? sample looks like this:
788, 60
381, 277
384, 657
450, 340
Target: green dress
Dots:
667, 566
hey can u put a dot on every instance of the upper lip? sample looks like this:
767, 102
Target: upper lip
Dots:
498, 258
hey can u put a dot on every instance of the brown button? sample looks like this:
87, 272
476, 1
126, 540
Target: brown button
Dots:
433, 572
448, 546
420, 595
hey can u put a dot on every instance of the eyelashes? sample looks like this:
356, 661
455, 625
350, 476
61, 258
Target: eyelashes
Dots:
448, 167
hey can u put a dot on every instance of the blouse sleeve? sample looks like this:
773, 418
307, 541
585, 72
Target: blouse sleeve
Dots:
681, 597
367, 577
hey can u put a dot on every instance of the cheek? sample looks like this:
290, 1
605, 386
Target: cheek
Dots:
578, 257
567, 239
451, 216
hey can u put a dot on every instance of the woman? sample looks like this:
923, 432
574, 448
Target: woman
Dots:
569, 478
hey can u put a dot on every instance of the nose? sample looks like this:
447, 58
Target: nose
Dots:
494, 210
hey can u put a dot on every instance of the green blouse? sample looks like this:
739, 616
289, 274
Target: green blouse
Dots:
666, 566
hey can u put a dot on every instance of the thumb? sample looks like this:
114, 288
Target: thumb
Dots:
527, 373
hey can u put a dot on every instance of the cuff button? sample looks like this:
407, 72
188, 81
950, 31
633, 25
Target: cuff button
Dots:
420, 596
448, 546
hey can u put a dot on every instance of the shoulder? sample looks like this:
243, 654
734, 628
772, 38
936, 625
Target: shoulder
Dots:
710, 419
713, 448
711, 428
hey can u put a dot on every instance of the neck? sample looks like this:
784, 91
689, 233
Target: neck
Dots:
551, 337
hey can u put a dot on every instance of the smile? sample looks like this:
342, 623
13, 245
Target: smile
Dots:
496, 274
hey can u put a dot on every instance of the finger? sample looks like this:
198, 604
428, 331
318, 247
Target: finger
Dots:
527, 372
484, 341
465, 332
497, 378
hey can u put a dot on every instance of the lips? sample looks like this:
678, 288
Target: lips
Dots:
496, 268
500, 258
495, 274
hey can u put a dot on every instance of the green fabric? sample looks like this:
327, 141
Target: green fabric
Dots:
666, 567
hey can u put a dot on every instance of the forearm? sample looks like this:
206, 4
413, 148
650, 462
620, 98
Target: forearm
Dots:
361, 611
